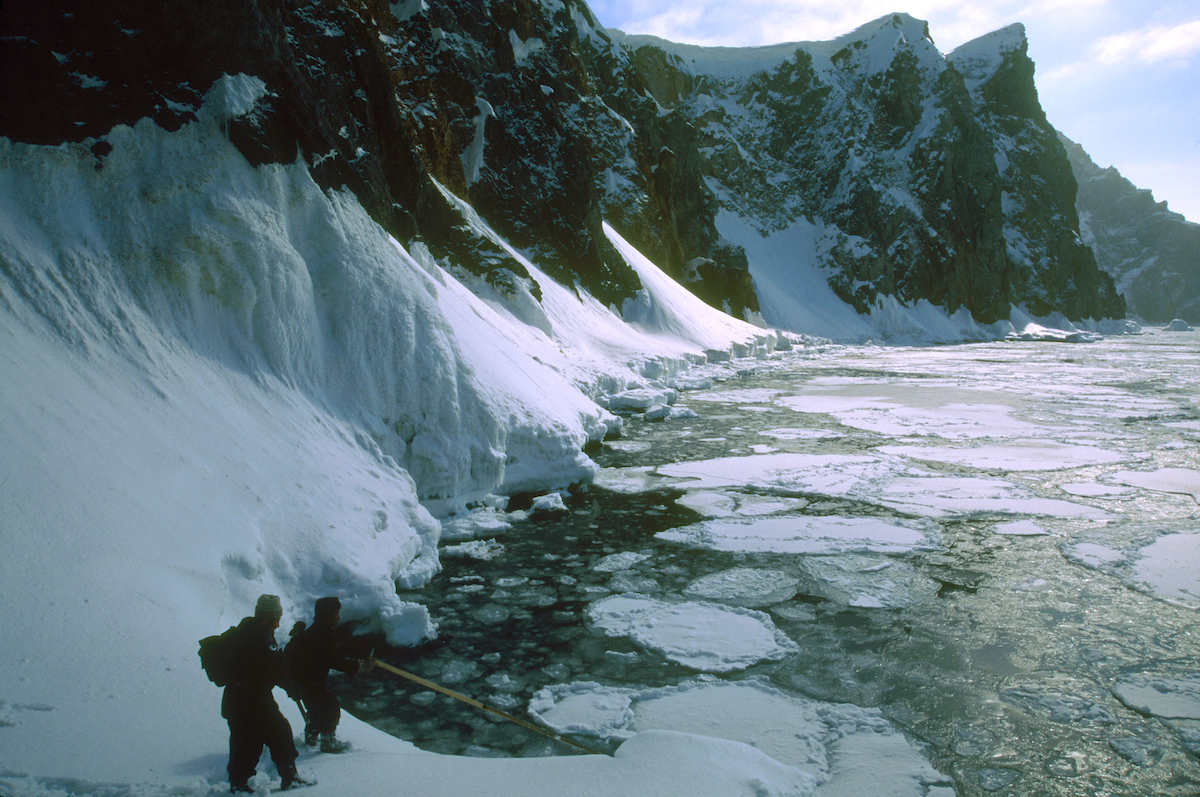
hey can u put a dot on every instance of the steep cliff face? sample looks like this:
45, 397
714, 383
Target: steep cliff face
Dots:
1151, 252
912, 175
923, 177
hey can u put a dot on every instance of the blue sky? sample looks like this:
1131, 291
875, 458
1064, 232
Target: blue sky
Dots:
1119, 77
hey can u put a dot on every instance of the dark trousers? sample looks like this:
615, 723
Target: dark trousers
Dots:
324, 711
248, 732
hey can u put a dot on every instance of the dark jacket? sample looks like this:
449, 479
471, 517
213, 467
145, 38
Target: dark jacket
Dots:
316, 650
258, 666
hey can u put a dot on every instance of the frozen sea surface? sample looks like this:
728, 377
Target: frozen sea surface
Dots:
995, 552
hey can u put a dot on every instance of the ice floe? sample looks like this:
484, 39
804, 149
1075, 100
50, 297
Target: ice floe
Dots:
808, 534
1174, 699
949, 496
620, 561
1095, 490
1019, 528
848, 750
1170, 568
899, 409
1167, 480
728, 504
1167, 567
744, 586
708, 638
868, 581
1019, 455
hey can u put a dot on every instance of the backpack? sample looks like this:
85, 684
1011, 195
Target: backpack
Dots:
217, 656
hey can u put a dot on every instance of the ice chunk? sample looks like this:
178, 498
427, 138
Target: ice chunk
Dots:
804, 534
549, 504
1167, 480
949, 496
629, 480
726, 504
641, 399
620, 561
696, 635
483, 523
868, 581
849, 750
1170, 567
483, 550
1019, 455
1164, 696
1094, 490
744, 586
1020, 528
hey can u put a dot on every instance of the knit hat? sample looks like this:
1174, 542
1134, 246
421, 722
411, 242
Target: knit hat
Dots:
326, 607
268, 606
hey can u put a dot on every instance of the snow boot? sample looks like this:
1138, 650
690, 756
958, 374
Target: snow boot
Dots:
291, 779
240, 788
311, 738
332, 744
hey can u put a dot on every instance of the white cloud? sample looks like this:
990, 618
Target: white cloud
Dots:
1151, 44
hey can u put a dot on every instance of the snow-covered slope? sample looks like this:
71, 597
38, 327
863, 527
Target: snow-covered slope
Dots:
243, 386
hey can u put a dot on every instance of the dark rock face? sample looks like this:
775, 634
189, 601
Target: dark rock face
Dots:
929, 178
1152, 253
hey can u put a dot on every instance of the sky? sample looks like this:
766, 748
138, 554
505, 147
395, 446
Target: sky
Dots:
1120, 78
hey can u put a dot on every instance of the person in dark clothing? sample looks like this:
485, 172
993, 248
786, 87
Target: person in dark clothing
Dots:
311, 654
249, 705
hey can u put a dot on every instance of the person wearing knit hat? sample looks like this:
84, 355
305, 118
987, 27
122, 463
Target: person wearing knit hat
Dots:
311, 654
255, 721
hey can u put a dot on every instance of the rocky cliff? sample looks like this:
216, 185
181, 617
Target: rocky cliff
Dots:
912, 174
1152, 253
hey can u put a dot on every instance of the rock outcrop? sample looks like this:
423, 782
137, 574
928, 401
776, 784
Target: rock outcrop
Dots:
918, 176
1151, 252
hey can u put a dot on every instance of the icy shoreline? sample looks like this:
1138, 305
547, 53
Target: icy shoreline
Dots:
246, 386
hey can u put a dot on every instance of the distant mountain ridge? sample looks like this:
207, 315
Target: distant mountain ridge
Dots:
891, 170
1151, 252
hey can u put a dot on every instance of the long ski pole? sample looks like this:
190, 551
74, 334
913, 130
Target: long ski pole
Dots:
470, 701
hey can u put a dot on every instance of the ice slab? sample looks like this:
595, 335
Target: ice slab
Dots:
744, 586
1163, 696
483, 550
703, 637
898, 409
886, 480
823, 534
1170, 568
1166, 480
948, 496
873, 582
628, 481
1020, 528
620, 561
728, 504
1021, 456
849, 750
1094, 490
801, 434
828, 474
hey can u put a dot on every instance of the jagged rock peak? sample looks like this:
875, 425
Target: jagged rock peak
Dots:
980, 59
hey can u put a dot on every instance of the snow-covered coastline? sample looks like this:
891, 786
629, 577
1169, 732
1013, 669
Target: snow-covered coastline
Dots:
218, 380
